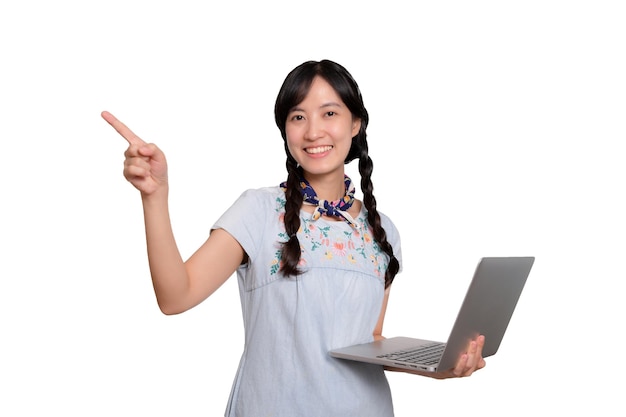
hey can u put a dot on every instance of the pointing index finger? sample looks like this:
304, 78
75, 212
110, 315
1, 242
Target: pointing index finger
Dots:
122, 129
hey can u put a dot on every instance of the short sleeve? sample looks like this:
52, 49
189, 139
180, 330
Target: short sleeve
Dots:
246, 219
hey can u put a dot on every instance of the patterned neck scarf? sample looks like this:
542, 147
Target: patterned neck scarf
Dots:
338, 208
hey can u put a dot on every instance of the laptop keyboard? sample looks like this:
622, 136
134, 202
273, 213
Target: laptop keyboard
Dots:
427, 354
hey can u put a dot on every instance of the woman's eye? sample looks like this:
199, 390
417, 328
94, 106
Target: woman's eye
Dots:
297, 117
330, 113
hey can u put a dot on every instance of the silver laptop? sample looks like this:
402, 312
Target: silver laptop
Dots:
487, 309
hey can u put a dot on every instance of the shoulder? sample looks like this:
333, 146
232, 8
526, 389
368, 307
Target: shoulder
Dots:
392, 232
265, 197
255, 205
393, 235
386, 220
263, 192
390, 228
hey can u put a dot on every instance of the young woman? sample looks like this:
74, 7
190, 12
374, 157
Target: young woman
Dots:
314, 264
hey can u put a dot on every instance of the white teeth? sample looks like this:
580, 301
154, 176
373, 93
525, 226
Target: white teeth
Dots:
319, 149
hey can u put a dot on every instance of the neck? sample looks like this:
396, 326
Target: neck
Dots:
327, 187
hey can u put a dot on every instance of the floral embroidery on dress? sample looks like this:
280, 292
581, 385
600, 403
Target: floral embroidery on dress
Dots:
341, 247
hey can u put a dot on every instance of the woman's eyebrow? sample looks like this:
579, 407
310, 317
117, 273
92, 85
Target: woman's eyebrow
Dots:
295, 108
329, 104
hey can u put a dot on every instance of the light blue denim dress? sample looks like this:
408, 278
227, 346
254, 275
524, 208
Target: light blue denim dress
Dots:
291, 323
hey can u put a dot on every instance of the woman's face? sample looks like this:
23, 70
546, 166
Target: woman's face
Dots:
319, 131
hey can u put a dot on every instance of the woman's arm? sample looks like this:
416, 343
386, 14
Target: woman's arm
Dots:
178, 286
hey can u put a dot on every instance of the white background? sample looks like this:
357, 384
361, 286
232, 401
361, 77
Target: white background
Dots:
496, 129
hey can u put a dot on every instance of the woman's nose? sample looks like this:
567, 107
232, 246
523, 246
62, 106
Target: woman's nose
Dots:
314, 130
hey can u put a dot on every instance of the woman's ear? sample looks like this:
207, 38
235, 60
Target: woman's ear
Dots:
356, 126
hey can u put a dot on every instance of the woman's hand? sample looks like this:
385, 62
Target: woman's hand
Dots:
469, 362
145, 166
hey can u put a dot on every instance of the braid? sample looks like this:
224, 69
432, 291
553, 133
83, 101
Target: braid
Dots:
290, 250
366, 166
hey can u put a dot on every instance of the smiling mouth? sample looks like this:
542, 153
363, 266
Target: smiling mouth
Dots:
319, 149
